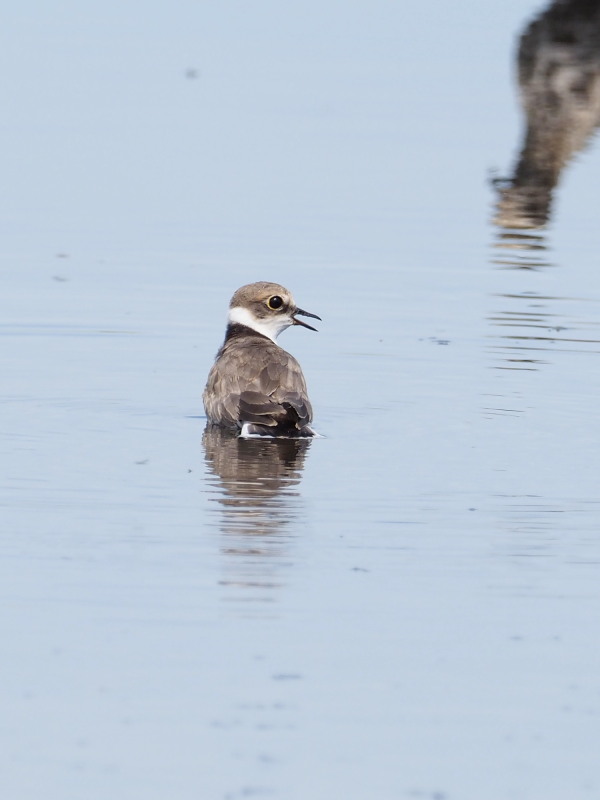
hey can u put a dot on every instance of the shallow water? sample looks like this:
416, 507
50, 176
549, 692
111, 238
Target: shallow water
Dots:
404, 608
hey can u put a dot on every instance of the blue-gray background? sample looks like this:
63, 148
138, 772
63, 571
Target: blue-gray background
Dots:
411, 609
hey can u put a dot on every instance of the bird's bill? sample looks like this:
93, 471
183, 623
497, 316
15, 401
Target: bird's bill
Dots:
304, 314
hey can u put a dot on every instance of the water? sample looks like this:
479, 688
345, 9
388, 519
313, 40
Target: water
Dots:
404, 608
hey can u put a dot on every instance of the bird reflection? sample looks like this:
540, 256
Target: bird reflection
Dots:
255, 486
559, 80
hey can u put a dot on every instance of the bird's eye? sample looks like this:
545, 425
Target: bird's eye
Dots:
275, 302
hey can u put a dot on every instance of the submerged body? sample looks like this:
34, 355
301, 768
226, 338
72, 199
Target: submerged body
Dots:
255, 387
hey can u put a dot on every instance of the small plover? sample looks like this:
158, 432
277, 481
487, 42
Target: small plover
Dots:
255, 387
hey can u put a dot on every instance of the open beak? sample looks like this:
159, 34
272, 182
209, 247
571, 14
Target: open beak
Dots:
304, 314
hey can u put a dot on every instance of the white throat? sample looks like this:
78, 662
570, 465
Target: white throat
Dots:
271, 328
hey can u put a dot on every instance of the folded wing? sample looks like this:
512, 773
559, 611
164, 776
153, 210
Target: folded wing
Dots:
258, 385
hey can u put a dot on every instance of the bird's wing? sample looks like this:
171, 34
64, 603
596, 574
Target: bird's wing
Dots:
257, 383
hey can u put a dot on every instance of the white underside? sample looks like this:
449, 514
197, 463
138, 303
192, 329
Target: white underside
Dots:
245, 434
271, 328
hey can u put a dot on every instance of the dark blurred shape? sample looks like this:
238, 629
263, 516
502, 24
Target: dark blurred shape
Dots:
255, 479
559, 80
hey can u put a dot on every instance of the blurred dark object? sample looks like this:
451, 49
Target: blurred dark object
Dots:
559, 80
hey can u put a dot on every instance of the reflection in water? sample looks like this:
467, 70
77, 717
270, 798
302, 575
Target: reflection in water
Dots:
521, 250
528, 328
253, 482
559, 80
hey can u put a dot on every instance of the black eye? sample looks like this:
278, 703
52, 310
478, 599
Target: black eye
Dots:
275, 302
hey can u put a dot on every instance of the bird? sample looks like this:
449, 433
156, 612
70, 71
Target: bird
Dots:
256, 388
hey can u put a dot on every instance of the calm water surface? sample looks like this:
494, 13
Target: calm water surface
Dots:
405, 608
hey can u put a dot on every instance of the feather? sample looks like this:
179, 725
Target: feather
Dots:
254, 380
